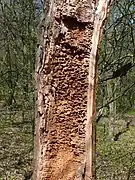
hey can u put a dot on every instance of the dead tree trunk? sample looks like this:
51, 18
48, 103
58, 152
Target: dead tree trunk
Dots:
66, 79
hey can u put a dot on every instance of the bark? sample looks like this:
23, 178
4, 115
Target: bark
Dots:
111, 90
65, 75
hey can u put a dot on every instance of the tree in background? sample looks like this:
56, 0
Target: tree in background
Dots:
116, 63
18, 43
115, 95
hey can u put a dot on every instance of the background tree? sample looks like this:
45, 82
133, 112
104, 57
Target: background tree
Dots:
115, 159
18, 36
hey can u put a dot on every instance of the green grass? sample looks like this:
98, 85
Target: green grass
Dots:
115, 159
16, 148
131, 112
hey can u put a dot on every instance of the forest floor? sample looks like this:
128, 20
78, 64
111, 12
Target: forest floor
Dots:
115, 159
16, 147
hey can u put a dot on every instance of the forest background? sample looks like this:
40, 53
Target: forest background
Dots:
19, 34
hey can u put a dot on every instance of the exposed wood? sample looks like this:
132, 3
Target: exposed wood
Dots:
66, 81
100, 17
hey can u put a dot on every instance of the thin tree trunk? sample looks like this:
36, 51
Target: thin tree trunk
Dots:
111, 88
66, 79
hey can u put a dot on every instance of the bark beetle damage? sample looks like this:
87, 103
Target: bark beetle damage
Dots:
62, 94
72, 23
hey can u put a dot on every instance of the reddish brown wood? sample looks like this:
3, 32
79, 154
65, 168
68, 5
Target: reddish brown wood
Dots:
66, 80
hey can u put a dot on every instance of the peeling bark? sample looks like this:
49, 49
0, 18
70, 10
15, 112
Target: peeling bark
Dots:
64, 139
100, 17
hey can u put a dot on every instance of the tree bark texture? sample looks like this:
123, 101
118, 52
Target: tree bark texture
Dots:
65, 75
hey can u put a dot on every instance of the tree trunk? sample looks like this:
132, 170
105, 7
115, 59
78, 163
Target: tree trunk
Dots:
111, 89
65, 75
